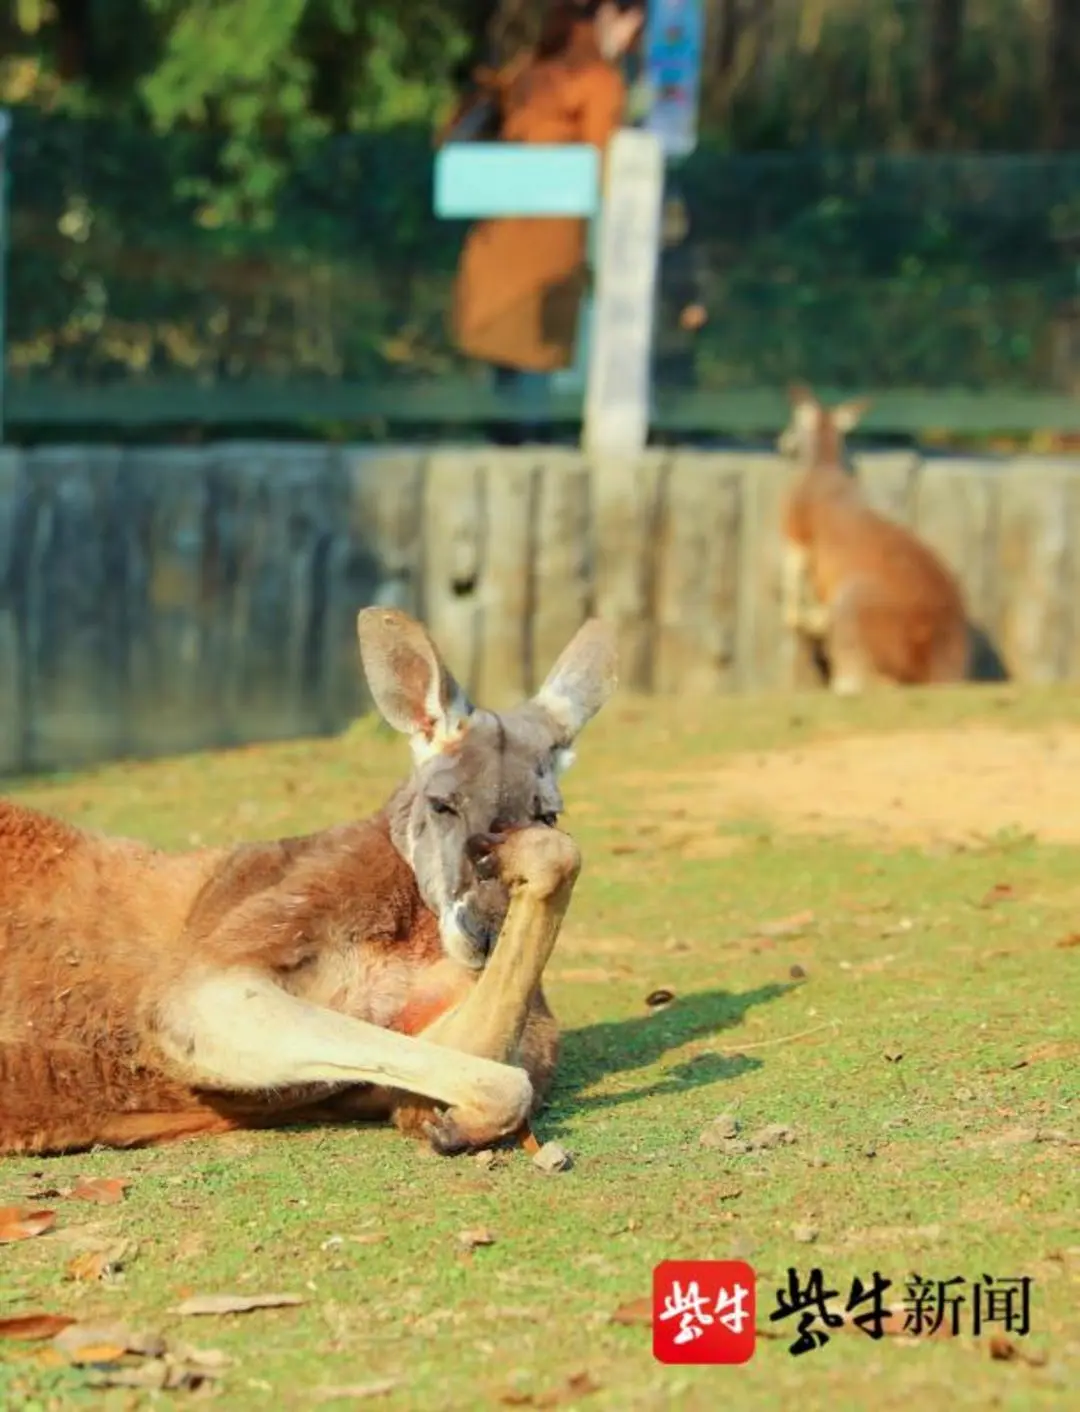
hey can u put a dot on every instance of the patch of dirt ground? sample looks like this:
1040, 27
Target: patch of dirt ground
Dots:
962, 785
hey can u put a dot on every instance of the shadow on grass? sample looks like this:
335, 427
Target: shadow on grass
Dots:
616, 1046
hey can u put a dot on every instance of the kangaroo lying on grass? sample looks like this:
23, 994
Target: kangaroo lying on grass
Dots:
352, 973
881, 603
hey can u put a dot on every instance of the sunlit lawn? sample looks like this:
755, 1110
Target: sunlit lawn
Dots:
919, 1031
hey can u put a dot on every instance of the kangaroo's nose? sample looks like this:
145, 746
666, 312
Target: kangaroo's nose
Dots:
480, 849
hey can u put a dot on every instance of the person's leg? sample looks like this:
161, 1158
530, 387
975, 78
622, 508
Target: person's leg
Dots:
535, 392
531, 391
505, 382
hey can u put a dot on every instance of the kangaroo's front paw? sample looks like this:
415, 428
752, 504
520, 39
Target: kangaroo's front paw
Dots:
496, 1113
815, 620
792, 617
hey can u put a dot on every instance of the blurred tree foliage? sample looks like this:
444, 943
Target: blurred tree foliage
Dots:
217, 188
262, 78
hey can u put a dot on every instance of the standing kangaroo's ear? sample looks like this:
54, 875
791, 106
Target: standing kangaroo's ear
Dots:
800, 395
413, 688
581, 681
848, 414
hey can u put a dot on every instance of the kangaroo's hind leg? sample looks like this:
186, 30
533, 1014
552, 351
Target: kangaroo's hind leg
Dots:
857, 619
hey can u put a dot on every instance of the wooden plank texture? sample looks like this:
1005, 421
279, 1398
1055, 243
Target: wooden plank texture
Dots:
697, 576
453, 555
505, 590
12, 720
888, 480
173, 598
176, 573
627, 495
1036, 561
956, 514
74, 603
563, 587
377, 556
768, 656
270, 659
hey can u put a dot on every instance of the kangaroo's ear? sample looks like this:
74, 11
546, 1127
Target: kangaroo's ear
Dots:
413, 688
848, 414
581, 681
800, 395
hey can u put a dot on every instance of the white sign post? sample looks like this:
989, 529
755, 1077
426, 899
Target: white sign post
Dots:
618, 391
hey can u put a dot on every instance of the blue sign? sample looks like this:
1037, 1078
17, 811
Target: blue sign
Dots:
474, 180
674, 39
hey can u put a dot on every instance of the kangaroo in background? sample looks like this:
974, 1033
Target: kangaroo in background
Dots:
883, 606
351, 973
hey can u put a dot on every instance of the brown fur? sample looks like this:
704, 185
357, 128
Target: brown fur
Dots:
93, 930
887, 608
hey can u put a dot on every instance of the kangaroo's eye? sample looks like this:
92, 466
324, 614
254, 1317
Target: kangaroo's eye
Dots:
441, 806
548, 820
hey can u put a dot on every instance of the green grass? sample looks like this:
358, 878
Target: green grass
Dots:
921, 1164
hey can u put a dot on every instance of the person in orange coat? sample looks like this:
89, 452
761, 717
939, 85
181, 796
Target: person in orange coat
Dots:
520, 281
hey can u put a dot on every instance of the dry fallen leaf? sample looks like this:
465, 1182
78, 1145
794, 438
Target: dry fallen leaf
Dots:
104, 1343
581, 1384
174, 1369
658, 999
1073, 939
471, 1239
786, 926
1000, 892
577, 1385
235, 1303
636, 1311
1056, 1135
894, 1324
156, 1375
1054, 1049
101, 1264
104, 1191
34, 1326
1004, 1350
357, 1392
18, 1223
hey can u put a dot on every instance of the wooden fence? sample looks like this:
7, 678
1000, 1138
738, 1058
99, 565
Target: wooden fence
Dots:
158, 600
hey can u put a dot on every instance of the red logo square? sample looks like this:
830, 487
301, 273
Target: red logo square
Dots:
703, 1311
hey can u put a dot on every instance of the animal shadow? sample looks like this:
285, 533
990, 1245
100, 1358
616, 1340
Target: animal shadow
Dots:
985, 663
616, 1046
